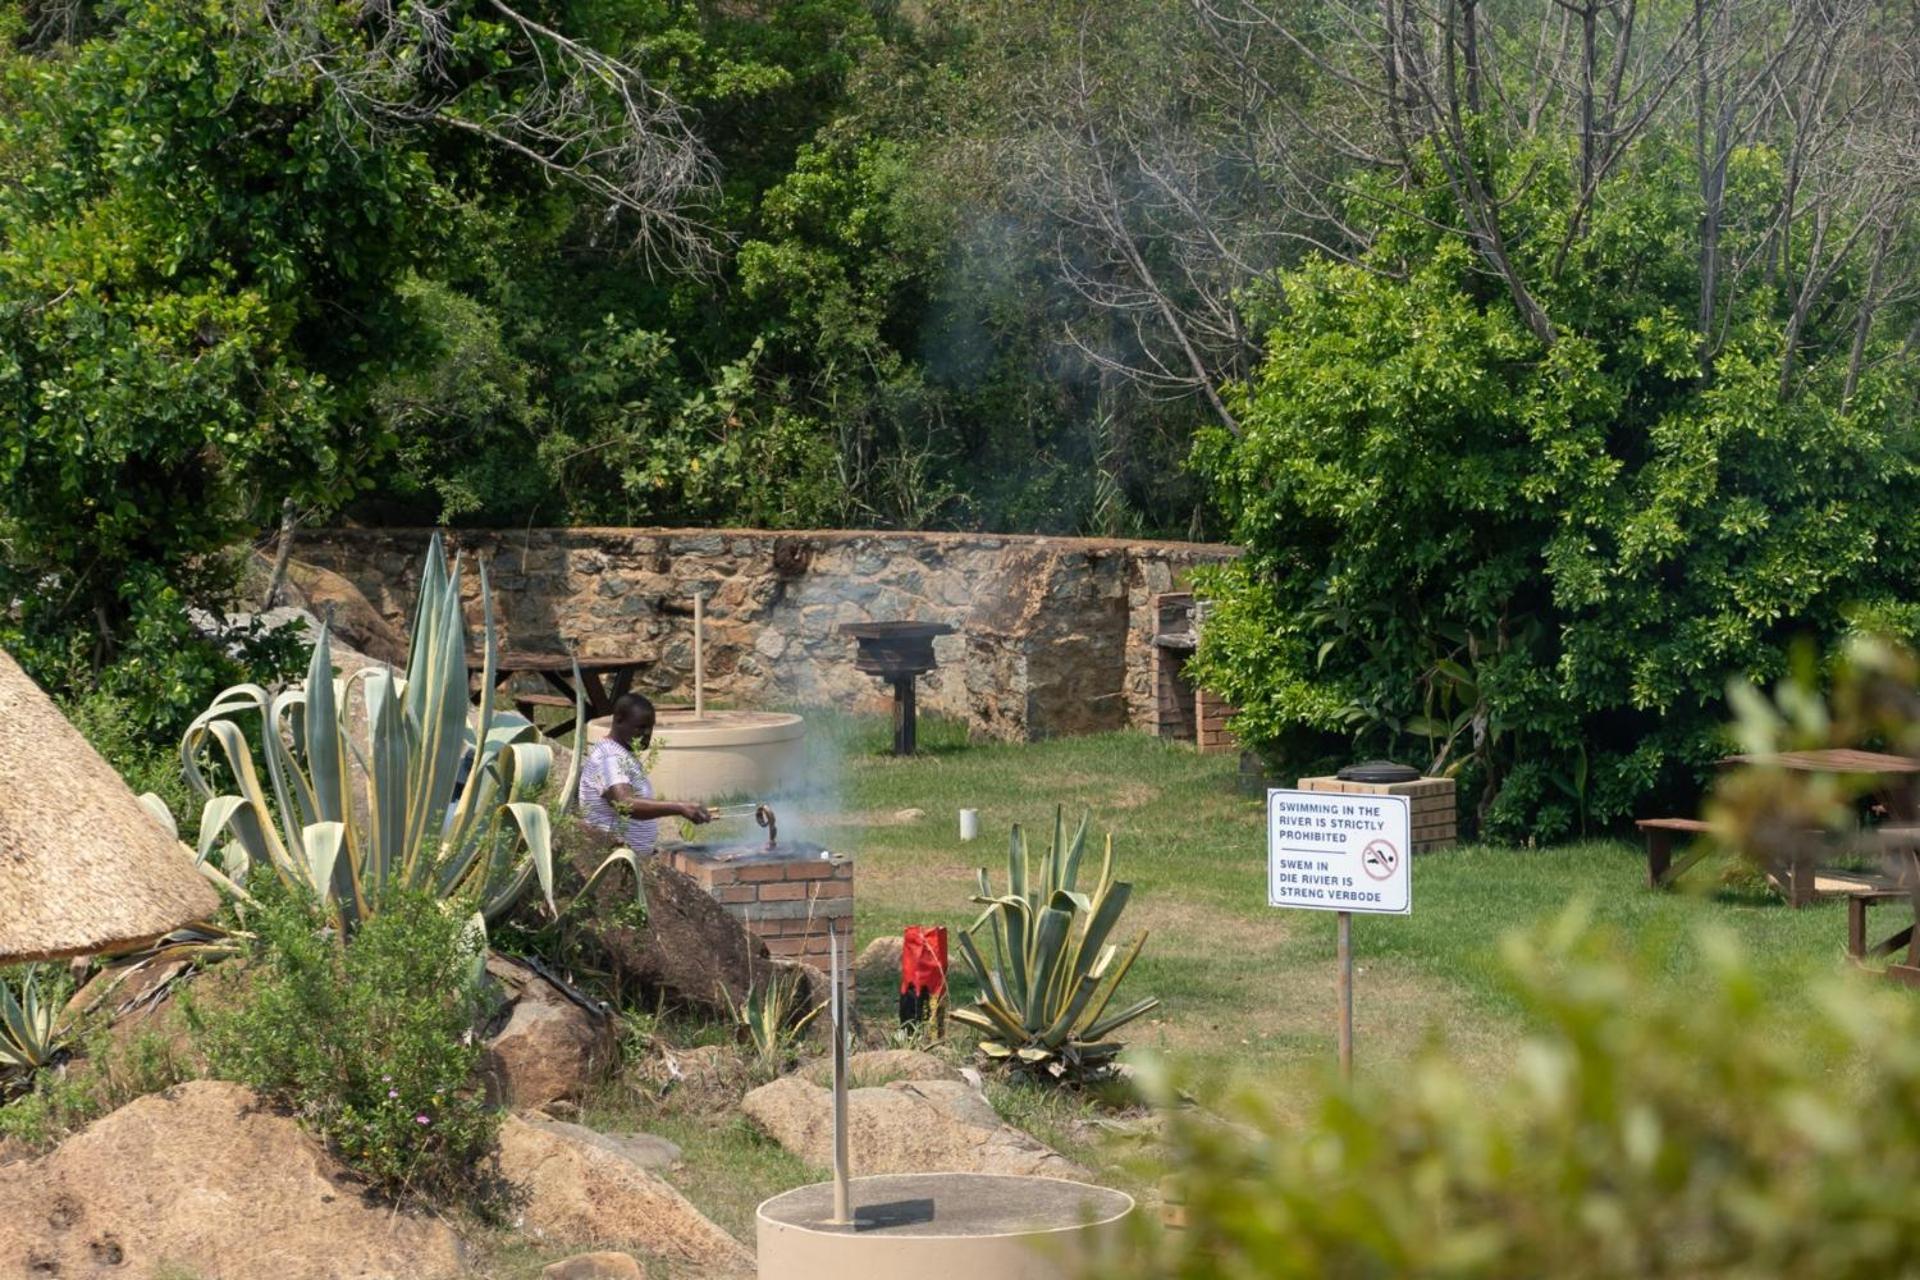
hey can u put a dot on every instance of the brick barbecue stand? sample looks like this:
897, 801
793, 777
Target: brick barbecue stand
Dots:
1430, 800
789, 897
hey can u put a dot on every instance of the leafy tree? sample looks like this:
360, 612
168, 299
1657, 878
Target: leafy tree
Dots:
1539, 564
216, 229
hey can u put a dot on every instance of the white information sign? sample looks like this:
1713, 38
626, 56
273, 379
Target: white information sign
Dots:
1337, 851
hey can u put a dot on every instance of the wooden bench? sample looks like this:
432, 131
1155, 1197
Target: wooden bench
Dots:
528, 703
1858, 949
1660, 833
1800, 880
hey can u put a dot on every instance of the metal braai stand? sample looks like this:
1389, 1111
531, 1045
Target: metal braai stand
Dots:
900, 652
842, 1196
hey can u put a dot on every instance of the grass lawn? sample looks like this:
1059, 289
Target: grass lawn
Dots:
1248, 990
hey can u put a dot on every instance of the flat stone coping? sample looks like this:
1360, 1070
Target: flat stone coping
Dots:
954, 1205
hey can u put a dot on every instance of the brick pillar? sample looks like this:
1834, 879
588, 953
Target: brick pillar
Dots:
1430, 804
792, 903
1210, 712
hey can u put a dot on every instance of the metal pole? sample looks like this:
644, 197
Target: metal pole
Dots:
1343, 993
904, 717
842, 1199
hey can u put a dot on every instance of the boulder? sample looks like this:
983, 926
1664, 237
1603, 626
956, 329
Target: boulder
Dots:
879, 963
709, 1071
813, 990
331, 598
594, 1266
582, 1192
643, 1149
688, 950
883, 1066
203, 1179
910, 1126
548, 1047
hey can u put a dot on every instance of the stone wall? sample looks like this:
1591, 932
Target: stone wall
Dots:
1053, 635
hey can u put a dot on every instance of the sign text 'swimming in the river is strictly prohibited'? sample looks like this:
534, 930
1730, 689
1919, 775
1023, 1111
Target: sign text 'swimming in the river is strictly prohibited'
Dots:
1337, 851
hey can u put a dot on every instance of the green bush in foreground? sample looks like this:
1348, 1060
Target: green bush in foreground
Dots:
1708, 1133
367, 1042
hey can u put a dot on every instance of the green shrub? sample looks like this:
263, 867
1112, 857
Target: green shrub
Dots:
368, 1042
1708, 1131
55, 1104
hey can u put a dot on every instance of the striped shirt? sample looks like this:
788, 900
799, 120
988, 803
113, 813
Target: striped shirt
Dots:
608, 765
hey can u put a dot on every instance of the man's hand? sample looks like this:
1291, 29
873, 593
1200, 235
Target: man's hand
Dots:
696, 813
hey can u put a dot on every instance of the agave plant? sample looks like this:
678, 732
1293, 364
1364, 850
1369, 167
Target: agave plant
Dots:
345, 819
32, 1030
771, 1019
1043, 1002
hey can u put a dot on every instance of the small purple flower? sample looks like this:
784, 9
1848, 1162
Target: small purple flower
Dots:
386, 1079
393, 1093
422, 1118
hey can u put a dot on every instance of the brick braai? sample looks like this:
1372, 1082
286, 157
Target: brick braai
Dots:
792, 899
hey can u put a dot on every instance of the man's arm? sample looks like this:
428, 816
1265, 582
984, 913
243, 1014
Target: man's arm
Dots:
626, 800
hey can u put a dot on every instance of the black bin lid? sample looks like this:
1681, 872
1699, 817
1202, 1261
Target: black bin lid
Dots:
1378, 771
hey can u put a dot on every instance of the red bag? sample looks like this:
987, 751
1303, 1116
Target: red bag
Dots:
923, 970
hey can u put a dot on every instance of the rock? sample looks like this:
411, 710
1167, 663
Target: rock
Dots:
581, 1191
643, 1149
909, 815
689, 950
915, 1126
594, 1266
548, 1047
879, 963
815, 991
328, 596
883, 1066
708, 1070
205, 1181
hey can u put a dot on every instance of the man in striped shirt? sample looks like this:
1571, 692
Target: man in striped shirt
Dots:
616, 796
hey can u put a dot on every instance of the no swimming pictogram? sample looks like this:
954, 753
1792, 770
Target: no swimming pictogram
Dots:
1380, 859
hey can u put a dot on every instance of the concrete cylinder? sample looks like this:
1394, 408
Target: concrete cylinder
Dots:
969, 824
747, 754
942, 1226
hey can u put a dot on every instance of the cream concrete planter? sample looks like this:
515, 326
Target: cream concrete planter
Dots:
941, 1226
751, 755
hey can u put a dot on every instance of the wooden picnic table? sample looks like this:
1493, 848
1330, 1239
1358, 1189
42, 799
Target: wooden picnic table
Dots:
1895, 774
602, 681
1895, 778
1797, 877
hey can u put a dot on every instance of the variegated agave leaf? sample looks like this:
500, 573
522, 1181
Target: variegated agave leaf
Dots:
345, 819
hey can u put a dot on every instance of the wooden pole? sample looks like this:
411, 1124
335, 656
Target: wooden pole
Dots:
699, 656
1343, 993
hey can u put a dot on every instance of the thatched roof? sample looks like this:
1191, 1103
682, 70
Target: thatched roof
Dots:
83, 867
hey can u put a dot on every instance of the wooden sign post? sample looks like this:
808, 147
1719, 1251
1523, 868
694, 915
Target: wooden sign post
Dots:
1345, 853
